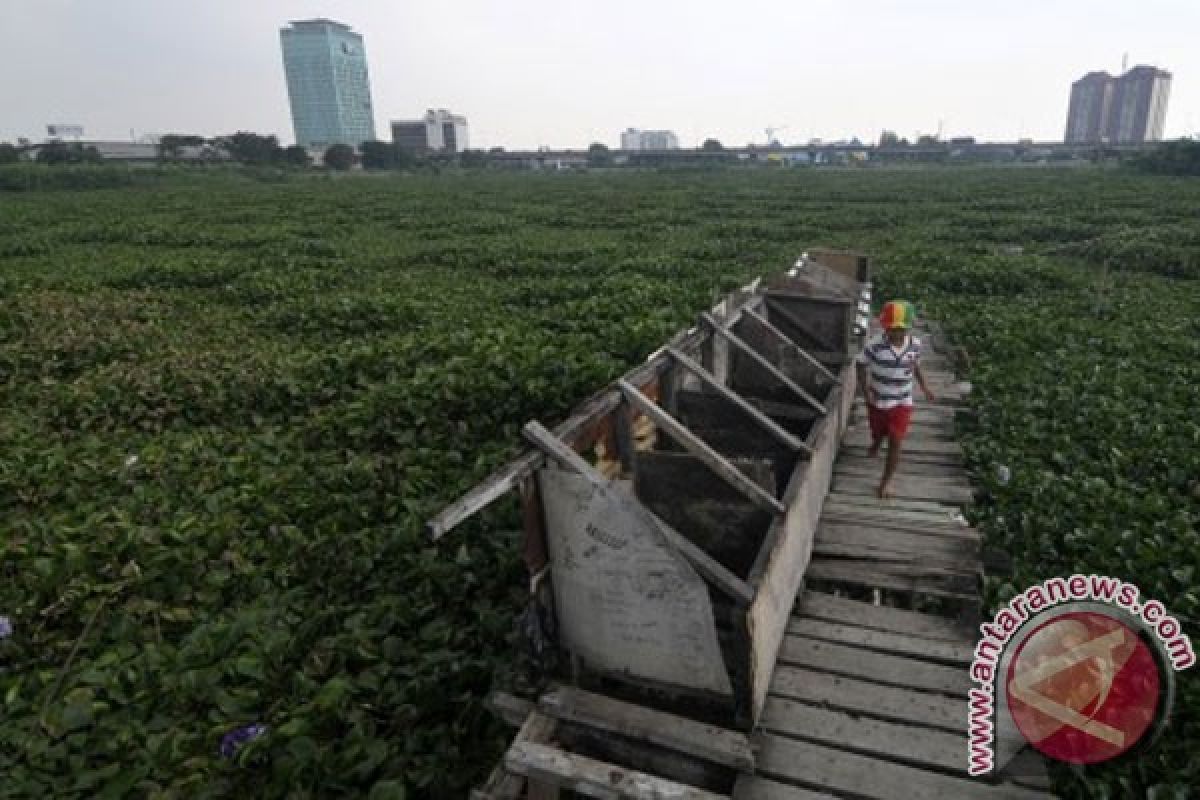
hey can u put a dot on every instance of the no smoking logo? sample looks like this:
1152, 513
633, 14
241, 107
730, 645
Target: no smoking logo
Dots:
1085, 687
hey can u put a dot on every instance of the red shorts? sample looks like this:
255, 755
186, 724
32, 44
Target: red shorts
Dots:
890, 422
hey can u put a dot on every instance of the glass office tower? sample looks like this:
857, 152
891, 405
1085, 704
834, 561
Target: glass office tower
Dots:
327, 82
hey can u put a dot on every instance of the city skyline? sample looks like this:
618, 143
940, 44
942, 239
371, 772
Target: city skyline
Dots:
565, 76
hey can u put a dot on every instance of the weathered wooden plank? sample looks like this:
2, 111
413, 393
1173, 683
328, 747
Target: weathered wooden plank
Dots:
703, 563
761, 419
784, 340
870, 538
830, 769
708, 742
861, 437
909, 744
595, 778
700, 449
905, 488
873, 576
869, 699
753, 787
895, 504
762, 362
822, 605
856, 662
891, 559
910, 457
872, 467
779, 570
943, 652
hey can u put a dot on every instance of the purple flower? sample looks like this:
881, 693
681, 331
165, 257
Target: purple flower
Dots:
232, 741
6, 627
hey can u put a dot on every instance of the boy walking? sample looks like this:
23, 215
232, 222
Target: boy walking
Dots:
886, 368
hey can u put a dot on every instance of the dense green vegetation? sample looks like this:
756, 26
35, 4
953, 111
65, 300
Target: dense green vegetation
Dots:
228, 407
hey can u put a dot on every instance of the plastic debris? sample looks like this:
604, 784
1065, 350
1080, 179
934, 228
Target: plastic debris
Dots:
6, 628
233, 741
131, 460
1003, 474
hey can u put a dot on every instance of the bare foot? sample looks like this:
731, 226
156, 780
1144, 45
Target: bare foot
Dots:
885, 491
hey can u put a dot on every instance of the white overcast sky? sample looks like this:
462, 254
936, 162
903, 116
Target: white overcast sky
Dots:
564, 73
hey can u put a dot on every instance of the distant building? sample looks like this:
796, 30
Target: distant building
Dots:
1090, 108
437, 131
1139, 106
328, 86
1129, 109
634, 139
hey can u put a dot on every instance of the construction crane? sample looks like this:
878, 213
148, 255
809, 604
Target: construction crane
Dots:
771, 134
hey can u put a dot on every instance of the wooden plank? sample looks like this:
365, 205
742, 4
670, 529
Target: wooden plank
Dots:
707, 742
826, 768
909, 744
910, 457
784, 340
899, 505
595, 778
768, 424
831, 551
753, 787
700, 449
931, 526
873, 538
855, 662
943, 652
872, 576
906, 489
763, 363
822, 605
871, 467
912, 444
869, 699
779, 570
703, 563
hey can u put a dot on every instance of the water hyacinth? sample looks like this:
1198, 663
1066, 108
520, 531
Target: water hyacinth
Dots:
6, 627
233, 741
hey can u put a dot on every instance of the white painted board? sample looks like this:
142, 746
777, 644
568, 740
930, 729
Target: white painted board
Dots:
625, 602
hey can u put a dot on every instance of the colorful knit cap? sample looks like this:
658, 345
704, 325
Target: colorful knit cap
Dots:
897, 314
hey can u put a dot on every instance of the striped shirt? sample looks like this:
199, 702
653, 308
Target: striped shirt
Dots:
890, 369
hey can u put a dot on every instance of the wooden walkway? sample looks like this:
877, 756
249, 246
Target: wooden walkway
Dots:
867, 700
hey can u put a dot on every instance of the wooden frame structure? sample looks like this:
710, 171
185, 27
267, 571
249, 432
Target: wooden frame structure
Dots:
674, 512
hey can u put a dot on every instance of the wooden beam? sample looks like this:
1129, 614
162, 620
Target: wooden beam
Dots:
771, 426
707, 742
594, 778
703, 563
787, 342
700, 449
762, 362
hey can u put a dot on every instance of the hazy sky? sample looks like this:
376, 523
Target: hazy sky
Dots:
564, 73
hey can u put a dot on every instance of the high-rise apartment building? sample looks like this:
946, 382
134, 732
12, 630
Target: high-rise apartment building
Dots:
634, 139
1129, 109
438, 130
327, 82
1088, 114
1139, 106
